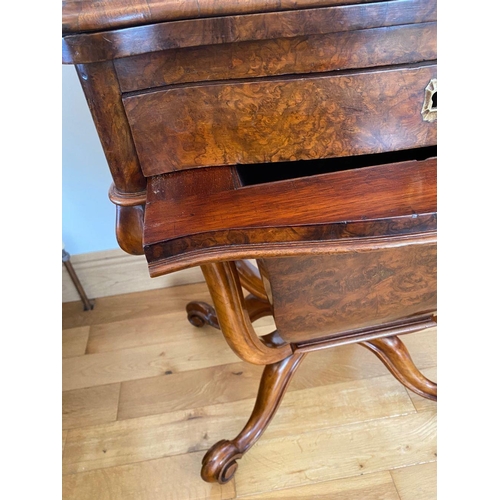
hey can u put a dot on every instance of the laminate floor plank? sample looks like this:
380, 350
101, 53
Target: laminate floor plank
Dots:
157, 330
74, 341
135, 332
191, 351
168, 434
418, 482
376, 486
133, 305
146, 393
163, 479
340, 452
191, 389
223, 384
90, 406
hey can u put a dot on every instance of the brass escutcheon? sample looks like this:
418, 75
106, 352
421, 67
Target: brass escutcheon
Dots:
429, 109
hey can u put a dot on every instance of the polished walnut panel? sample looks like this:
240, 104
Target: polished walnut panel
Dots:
102, 92
101, 88
93, 15
280, 119
213, 108
114, 44
329, 294
373, 47
384, 200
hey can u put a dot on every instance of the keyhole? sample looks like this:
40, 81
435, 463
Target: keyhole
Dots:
430, 105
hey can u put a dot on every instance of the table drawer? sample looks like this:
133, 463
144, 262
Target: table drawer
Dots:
280, 119
195, 216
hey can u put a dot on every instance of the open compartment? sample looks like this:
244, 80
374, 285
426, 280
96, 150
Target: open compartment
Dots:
250, 175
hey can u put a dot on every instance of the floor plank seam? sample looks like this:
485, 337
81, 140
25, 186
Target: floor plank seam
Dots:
248, 400
135, 440
139, 347
262, 440
118, 402
253, 399
189, 371
411, 399
394, 484
414, 465
88, 341
135, 462
341, 478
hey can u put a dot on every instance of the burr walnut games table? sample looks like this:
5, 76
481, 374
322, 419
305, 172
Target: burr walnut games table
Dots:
299, 133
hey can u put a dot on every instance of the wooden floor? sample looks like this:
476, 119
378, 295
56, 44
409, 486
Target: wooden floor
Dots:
145, 394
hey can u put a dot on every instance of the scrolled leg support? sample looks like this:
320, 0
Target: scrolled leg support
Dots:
393, 353
219, 463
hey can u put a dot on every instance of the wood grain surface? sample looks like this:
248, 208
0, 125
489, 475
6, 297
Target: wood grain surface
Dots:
168, 477
237, 381
328, 294
92, 15
292, 80
90, 406
202, 423
361, 448
374, 486
74, 341
386, 200
304, 54
281, 119
103, 96
112, 44
336, 403
416, 483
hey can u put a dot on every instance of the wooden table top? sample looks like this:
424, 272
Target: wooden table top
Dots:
92, 15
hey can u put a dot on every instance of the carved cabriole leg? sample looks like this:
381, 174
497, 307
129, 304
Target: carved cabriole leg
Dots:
396, 357
234, 316
219, 464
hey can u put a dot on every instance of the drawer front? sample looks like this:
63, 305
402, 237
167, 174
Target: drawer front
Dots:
188, 223
281, 119
323, 295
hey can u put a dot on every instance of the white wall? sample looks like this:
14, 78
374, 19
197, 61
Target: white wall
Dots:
88, 217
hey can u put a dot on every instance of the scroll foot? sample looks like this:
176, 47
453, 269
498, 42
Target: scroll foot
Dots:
200, 313
219, 463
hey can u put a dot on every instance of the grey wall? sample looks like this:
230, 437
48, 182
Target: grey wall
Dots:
88, 217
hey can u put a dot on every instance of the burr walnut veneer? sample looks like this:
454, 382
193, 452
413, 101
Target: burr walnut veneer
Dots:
300, 133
